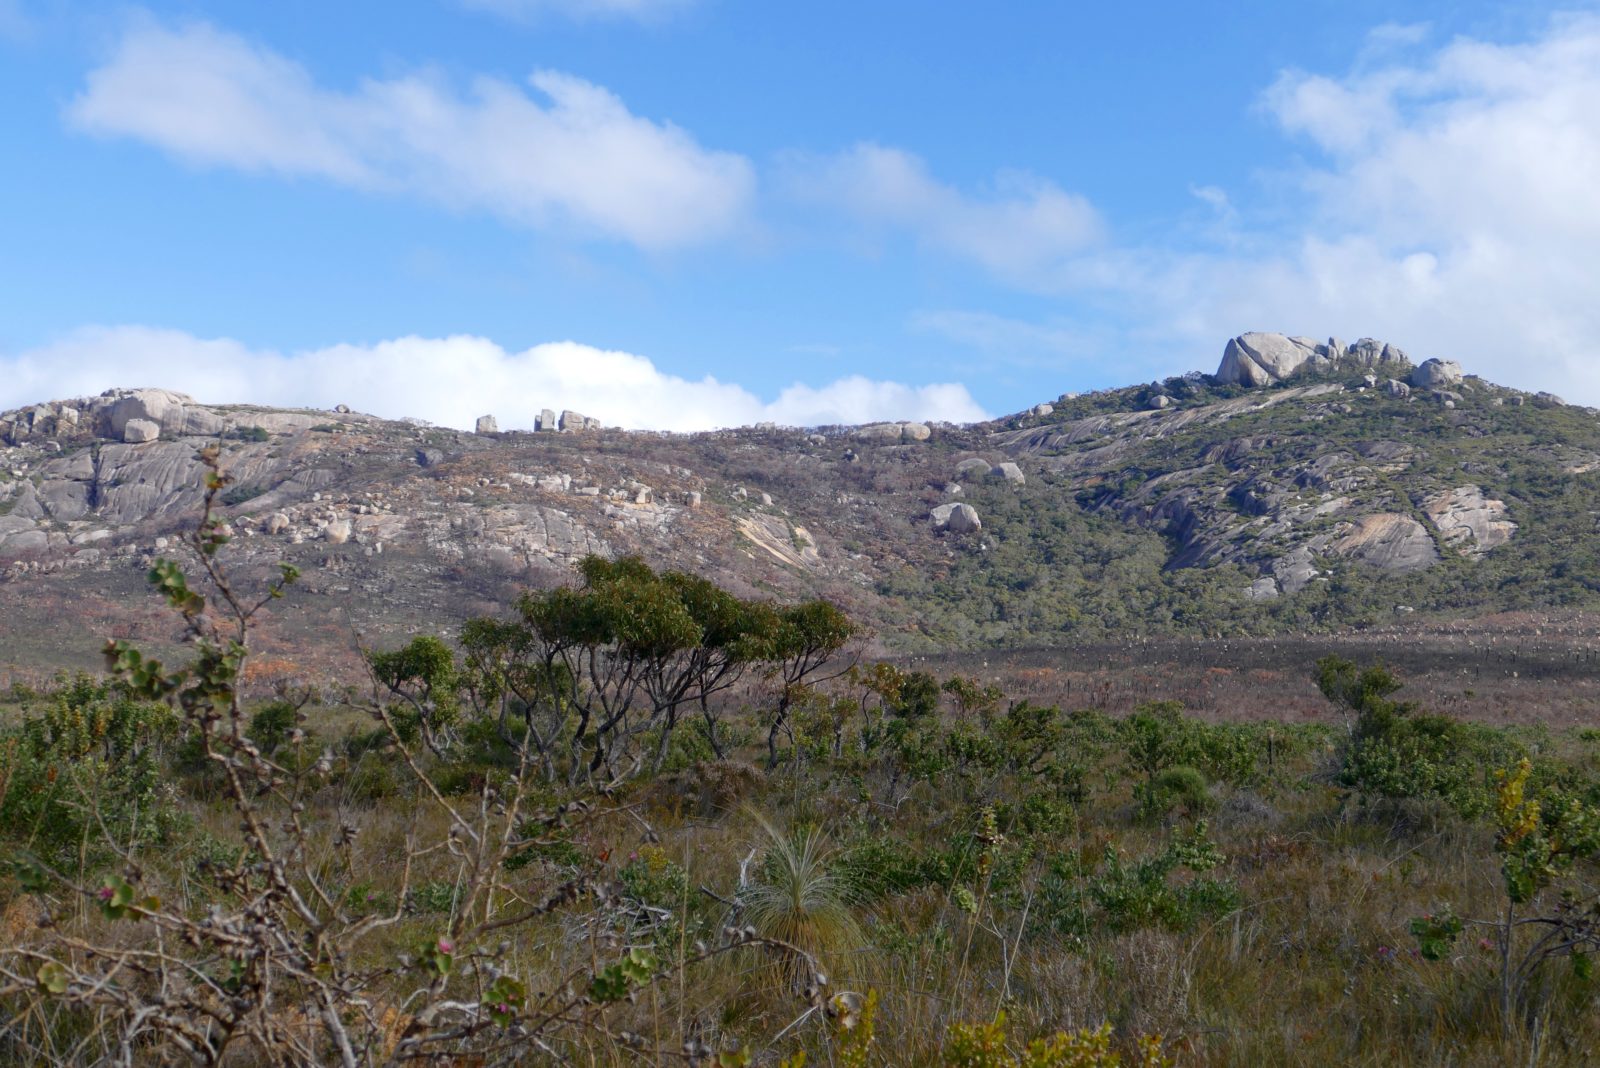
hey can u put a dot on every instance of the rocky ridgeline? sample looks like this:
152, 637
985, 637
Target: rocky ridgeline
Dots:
1242, 502
136, 416
1255, 467
107, 483
1259, 359
567, 421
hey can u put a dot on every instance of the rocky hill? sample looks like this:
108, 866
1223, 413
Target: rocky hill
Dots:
1305, 485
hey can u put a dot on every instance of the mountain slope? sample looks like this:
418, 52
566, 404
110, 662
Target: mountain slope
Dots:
1305, 486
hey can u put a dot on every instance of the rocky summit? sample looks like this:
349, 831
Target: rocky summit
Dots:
1303, 485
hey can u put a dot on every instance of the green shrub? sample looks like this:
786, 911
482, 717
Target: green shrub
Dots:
652, 879
272, 723
1398, 753
237, 495
372, 778
460, 779
883, 866
1158, 736
562, 852
87, 769
437, 896
1079, 896
1182, 788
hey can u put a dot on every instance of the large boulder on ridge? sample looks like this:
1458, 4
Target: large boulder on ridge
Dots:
1261, 359
176, 414
1258, 359
1437, 374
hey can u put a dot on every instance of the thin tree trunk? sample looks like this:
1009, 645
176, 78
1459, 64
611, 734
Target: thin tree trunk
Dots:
1505, 970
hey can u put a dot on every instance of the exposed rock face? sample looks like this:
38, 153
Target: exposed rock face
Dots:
18, 534
173, 413
1261, 359
65, 501
1372, 352
880, 432
1258, 359
1042, 410
1295, 570
1008, 472
891, 432
1389, 541
571, 420
779, 539
1160, 401
1437, 374
956, 518
1469, 522
487, 424
1292, 486
138, 431
134, 482
1262, 589
546, 420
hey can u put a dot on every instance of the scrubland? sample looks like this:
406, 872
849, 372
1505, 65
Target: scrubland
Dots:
640, 820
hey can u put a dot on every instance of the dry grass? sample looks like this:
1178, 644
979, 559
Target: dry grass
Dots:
1313, 967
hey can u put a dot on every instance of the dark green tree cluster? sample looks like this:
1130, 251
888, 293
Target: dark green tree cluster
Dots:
596, 677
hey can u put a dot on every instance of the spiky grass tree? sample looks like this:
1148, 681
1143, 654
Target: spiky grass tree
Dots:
795, 896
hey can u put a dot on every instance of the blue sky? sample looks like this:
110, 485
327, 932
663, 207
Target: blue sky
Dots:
684, 213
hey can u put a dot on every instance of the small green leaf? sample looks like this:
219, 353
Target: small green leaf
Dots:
116, 896
639, 966
52, 978
437, 956
609, 985
505, 998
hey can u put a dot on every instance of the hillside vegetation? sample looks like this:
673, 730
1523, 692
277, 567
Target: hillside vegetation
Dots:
642, 819
1336, 497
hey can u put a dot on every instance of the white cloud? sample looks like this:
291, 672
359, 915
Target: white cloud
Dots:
572, 153
527, 10
451, 381
1025, 226
1456, 212
1450, 205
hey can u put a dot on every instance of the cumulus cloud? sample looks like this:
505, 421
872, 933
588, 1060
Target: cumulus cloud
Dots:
527, 10
1446, 201
571, 152
451, 381
1448, 205
1023, 227
1454, 208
